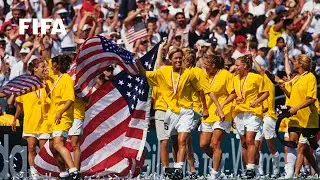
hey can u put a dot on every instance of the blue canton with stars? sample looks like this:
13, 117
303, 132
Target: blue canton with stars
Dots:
110, 46
134, 88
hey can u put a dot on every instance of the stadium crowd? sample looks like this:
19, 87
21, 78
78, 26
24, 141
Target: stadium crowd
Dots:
218, 59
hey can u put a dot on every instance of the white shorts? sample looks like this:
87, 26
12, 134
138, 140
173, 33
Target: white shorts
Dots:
37, 136
269, 127
247, 122
259, 135
159, 122
60, 134
210, 127
76, 129
303, 140
175, 123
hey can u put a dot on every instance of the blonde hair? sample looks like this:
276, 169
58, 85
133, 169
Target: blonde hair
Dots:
173, 51
305, 61
247, 59
189, 53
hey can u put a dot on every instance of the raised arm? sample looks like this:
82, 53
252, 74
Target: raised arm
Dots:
160, 55
141, 69
287, 67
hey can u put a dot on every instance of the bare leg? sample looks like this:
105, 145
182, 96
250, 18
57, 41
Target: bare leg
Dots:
32, 144
216, 144
190, 155
205, 139
75, 141
175, 147
59, 146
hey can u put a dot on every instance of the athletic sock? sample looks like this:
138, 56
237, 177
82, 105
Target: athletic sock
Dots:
73, 170
178, 165
275, 163
260, 163
291, 160
64, 174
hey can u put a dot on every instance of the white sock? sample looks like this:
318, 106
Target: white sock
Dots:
275, 163
291, 160
250, 166
178, 165
261, 163
64, 174
286, 168
214, 174
73, 170
32, 169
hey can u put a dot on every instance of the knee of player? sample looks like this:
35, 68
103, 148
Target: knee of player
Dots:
216, 145
250, 140
182, 142
76, 146
164, 143
204, 145
56, 144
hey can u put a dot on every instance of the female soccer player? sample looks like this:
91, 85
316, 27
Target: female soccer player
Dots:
269, 120
35, 125
213, 128
177, 85
251, 92
304, 122
61, 114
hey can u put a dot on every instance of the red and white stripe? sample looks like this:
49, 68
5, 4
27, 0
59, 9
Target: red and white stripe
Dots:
113, 140
92, 61
133, 35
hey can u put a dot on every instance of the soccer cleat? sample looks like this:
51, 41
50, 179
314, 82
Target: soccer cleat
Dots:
250, 174
74, 176
193, 176
177, 174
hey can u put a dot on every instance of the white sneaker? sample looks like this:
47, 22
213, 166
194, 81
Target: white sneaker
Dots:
34, 176
213, 175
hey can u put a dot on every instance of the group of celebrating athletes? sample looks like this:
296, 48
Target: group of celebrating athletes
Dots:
52, 113
244, 99
186, 97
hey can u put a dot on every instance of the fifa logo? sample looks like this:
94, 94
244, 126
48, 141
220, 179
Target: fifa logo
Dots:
56, 26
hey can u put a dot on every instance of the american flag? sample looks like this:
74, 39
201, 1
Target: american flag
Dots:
136, 32
115, 127
95, 55
22, 85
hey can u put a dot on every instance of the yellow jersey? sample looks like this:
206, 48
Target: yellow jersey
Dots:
302, 87
222, 86
273, 36
34, 108
200, 75
61, 92
270, 101
158, 102
248, 88
79, 109
177, 87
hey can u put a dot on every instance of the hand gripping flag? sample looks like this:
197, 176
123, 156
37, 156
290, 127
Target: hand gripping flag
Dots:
115, 127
